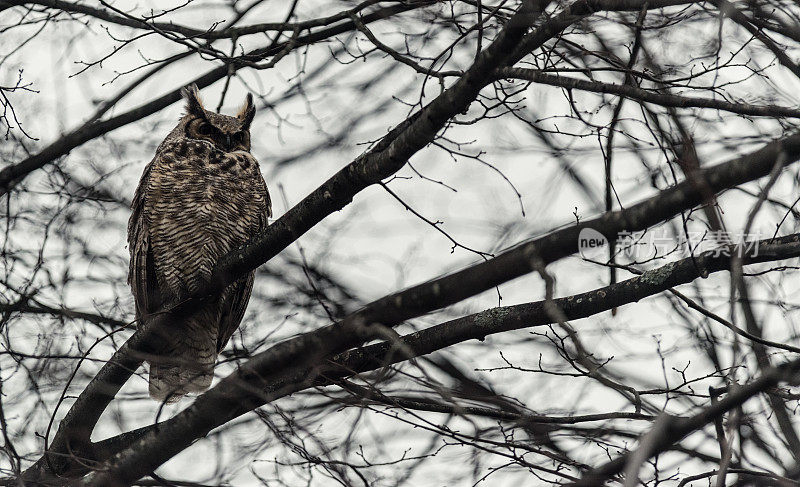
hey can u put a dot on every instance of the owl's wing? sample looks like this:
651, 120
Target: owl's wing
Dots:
141, 273
234, 306
233, 309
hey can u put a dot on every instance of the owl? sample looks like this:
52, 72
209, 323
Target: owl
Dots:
201, 197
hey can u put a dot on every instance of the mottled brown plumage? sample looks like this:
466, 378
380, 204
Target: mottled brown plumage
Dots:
201, 197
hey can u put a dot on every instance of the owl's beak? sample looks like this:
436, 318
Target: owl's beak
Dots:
228, 143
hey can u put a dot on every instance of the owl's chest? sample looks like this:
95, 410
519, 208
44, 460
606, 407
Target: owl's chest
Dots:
200, 204
219, 189
208, 191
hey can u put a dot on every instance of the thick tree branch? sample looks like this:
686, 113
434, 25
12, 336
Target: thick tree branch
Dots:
479, 325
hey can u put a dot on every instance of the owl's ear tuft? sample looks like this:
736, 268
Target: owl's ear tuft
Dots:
247, 112
194, 105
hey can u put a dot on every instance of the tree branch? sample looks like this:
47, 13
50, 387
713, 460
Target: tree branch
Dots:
191, 32
642, 95
676, 428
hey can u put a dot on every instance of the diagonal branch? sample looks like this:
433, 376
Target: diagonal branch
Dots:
497, 320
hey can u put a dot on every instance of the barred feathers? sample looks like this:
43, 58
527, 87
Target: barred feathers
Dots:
194, 204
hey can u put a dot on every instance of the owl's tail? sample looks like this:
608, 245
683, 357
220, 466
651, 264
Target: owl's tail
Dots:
170, 383
187, 365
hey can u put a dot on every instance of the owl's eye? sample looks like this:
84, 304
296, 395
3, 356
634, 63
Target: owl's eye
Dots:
205, 129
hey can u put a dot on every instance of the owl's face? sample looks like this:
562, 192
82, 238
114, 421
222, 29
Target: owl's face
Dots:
228, 134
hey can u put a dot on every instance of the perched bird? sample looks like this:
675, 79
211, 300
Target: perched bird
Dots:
200, 197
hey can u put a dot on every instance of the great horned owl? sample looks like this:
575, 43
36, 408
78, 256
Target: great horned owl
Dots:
200, 197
